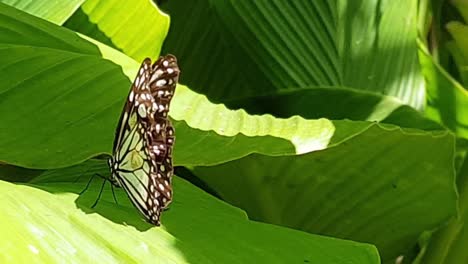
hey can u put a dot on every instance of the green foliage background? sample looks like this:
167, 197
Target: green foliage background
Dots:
307, 131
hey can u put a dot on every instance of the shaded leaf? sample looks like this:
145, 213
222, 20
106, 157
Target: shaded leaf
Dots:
384, 186
459, 48
336, 104
449, 243
253, 48
447, 100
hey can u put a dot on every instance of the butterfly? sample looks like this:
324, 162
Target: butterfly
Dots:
141, 162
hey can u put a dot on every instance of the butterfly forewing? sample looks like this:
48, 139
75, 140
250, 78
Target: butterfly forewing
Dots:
142, 158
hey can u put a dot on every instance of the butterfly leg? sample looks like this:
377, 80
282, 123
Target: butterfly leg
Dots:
89, 183
100, 193
113, 194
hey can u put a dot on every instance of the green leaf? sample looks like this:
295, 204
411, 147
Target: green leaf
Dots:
447, 100
212, 125
462, 7
449, 243
253, 48
459, 48
54, 11
384, 186
337, 104
47, 221
136, 27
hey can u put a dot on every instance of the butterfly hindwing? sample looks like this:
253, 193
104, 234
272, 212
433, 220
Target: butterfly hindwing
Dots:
142, 160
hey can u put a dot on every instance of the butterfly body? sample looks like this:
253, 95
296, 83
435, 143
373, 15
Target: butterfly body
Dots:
142, 155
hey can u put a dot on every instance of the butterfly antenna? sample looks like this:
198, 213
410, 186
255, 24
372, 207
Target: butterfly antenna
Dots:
100, 191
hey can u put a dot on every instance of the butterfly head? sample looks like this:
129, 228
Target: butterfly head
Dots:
110, 162
113, 168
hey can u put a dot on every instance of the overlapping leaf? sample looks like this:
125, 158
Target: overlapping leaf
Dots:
323, 44
79, 95
70, 92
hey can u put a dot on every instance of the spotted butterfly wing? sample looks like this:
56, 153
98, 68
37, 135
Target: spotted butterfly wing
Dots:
142, 156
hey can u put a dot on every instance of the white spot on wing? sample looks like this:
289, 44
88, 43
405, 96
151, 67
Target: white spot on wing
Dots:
158, 73
142, 110
161, 82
